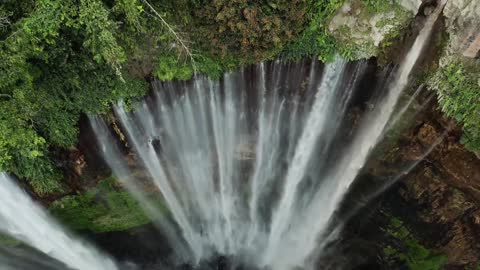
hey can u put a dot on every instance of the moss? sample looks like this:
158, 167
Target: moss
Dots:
357, 42
408, 250
104, 208
378, 6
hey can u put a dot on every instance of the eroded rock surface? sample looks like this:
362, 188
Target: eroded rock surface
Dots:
443, 191
462, 20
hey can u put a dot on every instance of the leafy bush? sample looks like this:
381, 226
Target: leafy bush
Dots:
59, 60
256, 30
458, 90
315, 40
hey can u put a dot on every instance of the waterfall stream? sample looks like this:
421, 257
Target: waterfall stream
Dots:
34, 227
249, 166
229, 157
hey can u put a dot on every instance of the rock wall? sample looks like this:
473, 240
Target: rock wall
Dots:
462, 21
365, 27
411, 5
440, 197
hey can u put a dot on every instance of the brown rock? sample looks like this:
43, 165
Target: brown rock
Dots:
427, 135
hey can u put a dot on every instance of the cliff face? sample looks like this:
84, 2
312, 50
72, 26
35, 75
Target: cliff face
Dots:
462, 21
370, 27
439, 199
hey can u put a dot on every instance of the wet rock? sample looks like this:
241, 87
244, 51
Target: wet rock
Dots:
427, 135
462, 248
443, 192
476, 217
442, 205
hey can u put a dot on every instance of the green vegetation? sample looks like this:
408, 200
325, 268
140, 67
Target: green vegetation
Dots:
254, 30
458, 89
105, 208
8, 241
375, 27
379, 6
61, 59
315, 40
408, 250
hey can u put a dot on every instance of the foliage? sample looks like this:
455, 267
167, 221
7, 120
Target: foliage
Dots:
99, 33
60, 59
256, 30
411, 251
105, 208
315, 40
168, 68
458, 90
378, 6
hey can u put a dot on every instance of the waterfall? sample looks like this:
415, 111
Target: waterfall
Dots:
316, 216
244, 164
253, 166
24, 220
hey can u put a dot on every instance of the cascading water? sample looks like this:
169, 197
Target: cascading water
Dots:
248, 169
34, 227
231, 158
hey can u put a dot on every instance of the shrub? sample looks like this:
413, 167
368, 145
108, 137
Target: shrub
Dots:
458, 90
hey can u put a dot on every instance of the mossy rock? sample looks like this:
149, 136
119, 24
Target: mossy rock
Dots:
408, 249
107, 207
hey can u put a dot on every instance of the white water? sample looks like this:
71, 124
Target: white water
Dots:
245, 164
22, 219
317, 215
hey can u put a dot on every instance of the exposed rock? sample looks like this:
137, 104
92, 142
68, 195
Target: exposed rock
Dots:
363, 29
245, 151
427, 135
444, 189
462, 21
473, 51
411, 5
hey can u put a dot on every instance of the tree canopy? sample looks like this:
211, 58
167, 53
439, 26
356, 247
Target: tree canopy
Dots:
64, 58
